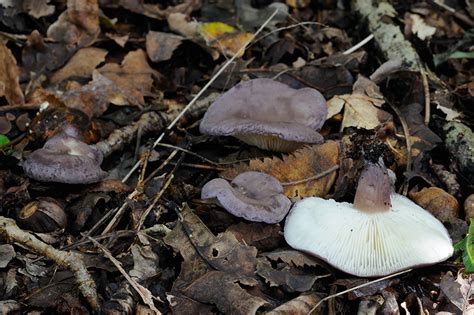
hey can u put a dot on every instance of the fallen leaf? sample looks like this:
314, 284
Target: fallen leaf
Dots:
133, 75
223, 290
300, 305
120, 40
179, 23
419, 26
289, 278
293, 257
78, 26
9, 77
160, 46
299, 165
360, 111
38, 8
225, 38
154, 10
441, 204
263, 236
7, 253
458, 291
82, 64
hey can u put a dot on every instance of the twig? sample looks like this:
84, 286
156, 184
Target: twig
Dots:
155, 201
359, 45
357, 287
426, 90
69, 260
315, 177
406, 132
208, 84
143, 292
299, 24
457, 14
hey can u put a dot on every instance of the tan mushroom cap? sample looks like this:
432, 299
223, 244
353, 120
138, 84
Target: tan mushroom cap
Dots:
267, 114
379, 237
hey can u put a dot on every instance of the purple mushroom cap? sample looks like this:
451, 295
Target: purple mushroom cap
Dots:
65, 159
253, 196
268, 114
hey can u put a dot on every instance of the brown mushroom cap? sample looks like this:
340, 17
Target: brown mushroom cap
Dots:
253, 196
65, 159
268, 114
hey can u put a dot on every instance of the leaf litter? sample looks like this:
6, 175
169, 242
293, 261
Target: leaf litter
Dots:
130, 75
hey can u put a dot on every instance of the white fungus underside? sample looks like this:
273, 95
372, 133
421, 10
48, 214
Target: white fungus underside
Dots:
368, 244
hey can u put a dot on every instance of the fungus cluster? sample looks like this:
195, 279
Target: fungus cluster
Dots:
381, 233
267, 114
65, 158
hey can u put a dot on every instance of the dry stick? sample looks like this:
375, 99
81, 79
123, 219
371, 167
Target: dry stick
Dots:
208, 84
155, 201
426, 90
357, 287
200, 156
315, 177
69, 260
146, 298
359, 45
406, 132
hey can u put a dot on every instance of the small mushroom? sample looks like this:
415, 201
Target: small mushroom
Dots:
253, 196
381, 233
65, 159
43, 215
267, 114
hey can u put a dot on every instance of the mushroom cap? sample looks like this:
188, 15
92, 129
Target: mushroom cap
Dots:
65, 159
269, 109
253, 196
368, 244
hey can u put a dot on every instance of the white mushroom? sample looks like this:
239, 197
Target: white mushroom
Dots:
381, 233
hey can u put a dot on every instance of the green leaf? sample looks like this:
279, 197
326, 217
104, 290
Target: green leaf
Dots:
467, 247
4, 140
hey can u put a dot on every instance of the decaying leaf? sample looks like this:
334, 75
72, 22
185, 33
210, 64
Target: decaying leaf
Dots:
232, 264
133, 75
299, 165
293, 257
223, 290
160, 46
263, 236
300, 305
7, 253
458, 291
9, 77
78, 26
289, 278
419, 26
360, 111
38, 8
82, 64
441, 204
225, 38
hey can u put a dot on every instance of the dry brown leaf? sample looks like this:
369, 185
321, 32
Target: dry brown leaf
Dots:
299, 165
9, 77
78, 26
160, 46
38, 8
359, 111
289, 278
441, 204
300, 305
293, 257
133, 75
223, 290
263, 236
82, 64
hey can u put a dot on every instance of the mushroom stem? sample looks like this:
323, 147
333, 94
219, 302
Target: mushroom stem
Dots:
374, 188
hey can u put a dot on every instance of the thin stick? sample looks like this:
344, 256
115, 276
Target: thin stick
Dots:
208, 84
143, 292
357, 287
406, 132
315, 177
426, 90
359, 45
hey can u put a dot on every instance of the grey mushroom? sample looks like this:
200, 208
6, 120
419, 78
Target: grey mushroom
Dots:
267, 114
65, 159
253, 196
